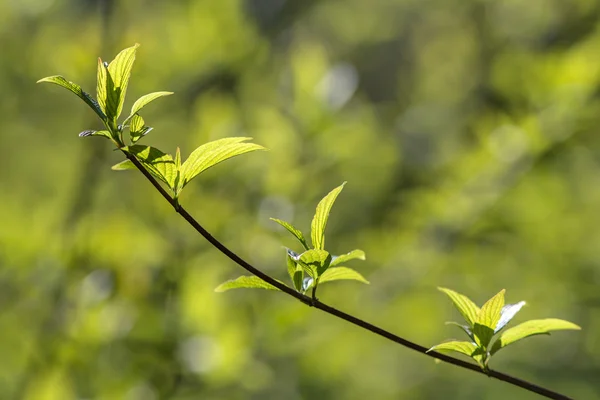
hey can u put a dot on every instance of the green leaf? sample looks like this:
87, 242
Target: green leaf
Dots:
464, 305
145, 99
337, 260
123, 166
488, 318
251, 282
212, 153
291, 229
90, 132
465, 328
178, 168
159, 164
138, 128
119, 72
317, 227
295, 270
101, 86
466, 348
75, 88
315, 262
530, 328
341, 273
507, 314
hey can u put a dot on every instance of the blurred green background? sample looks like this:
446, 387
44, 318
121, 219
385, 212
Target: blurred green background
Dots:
467, 131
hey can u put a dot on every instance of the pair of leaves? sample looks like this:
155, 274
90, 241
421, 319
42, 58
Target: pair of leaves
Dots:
177, 175
111, 87
485, 322
313, 266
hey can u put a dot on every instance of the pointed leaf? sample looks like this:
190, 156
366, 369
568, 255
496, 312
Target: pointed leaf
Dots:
488, 318
159, 164
530, 328
315, 262
138, 128
319, 222
90, 132
341, 273
465, 328
507, 313
119, 72
464, 305
101, 86
214, 152
123, 166
291, 229
337, 260
145, 99
466, 348
252, 282
291, 266
75, 88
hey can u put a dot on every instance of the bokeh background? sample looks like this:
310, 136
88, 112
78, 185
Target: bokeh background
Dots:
467, 131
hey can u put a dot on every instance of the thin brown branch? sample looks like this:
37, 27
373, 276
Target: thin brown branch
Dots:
313, 302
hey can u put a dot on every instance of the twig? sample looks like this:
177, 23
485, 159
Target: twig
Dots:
313, 302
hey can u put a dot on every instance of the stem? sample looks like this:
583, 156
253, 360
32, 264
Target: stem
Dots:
313, 302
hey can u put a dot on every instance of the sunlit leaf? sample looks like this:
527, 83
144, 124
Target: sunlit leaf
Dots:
294, 231
75, 88
159, 164
466, 348
341, 273
123, 166
138, 128
119, 72
251, 282
319, 222
531, 328
145, 99
488, 318
507, 314
87, 133
214, 152
316, 261
465, 328
464, 305
354, 254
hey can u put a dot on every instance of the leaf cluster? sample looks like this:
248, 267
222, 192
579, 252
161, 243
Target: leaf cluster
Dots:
312, 266
111, 88
484, 327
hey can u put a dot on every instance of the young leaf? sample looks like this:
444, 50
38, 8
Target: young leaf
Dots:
212, 153
315, 262
341, 273
530, 328
488, 318
138, 128
466, 348
145, 99
75, 88
119, 72
291, 266
90, 132
465, 328
101, 86
123, 165
252, 282
464, 305
508, 312
317, 227
337, 260
159, 164
291, 229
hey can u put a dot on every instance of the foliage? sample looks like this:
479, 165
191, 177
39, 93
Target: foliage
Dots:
112, 82
312, 266
485, 327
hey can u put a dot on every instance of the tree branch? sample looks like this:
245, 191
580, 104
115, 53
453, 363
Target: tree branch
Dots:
313, 302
